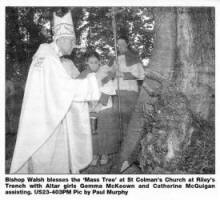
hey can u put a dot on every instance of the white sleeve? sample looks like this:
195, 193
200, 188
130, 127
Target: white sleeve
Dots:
137, 70
86, 89
108, 88
60, 85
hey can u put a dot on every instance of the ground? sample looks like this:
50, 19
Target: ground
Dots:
98, 169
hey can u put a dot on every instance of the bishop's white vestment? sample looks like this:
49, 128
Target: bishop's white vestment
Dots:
54, 131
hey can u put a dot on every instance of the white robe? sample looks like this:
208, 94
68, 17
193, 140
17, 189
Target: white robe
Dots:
136, 70
108, 88
54, 131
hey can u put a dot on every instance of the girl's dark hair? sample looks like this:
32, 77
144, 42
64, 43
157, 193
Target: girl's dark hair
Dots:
124, 38
92, 54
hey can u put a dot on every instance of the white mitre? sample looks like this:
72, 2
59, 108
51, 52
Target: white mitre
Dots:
63, 26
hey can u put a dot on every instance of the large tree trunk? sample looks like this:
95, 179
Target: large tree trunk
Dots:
180, 76
195, 68
162, 62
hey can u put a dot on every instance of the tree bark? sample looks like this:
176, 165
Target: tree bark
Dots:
183, 56
162, 62
195, 69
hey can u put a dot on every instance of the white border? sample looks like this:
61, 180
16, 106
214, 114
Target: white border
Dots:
140, 194
110, 3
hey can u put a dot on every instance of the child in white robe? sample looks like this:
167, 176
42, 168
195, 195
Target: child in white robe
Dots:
106, 140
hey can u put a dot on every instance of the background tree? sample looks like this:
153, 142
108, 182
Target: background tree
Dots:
175, 111
172, 127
